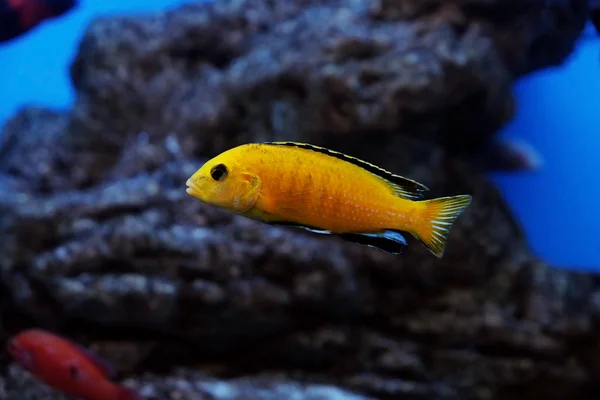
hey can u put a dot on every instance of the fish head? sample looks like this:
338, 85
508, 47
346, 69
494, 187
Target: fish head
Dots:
225, 182
22, 353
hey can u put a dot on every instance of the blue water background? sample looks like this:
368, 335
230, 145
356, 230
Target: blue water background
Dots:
558, 112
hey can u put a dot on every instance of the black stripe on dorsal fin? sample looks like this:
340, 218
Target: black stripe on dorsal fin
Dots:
401, 186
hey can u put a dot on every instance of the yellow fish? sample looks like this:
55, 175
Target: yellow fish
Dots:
324, 191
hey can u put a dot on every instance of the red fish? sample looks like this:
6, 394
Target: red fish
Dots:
19, 16
67, 366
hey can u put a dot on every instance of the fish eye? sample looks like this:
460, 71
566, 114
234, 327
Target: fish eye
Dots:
219, 172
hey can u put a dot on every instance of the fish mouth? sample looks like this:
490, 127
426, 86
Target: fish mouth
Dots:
191, 189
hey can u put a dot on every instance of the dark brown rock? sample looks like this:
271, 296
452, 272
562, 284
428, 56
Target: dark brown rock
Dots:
100, 242
256, 70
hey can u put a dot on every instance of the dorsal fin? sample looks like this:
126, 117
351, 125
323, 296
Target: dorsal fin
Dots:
402, 187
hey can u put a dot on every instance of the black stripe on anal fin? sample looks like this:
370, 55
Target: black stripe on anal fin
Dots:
300, 226
388, 241
402, 187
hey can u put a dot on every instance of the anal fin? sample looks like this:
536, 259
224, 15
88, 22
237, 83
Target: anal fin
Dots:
305, 227
389, 241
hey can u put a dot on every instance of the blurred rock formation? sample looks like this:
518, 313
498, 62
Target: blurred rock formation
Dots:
100, 242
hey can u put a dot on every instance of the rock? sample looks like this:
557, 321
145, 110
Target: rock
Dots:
511, 154
335, 70
186, 385
101, 243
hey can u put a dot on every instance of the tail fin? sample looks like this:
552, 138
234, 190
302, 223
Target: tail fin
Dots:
126, 393
439, 215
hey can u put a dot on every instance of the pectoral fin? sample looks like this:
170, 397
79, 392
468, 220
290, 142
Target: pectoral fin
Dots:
247, 201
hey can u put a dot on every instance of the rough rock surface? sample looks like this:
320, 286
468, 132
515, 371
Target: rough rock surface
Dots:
185, 385
101, 243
